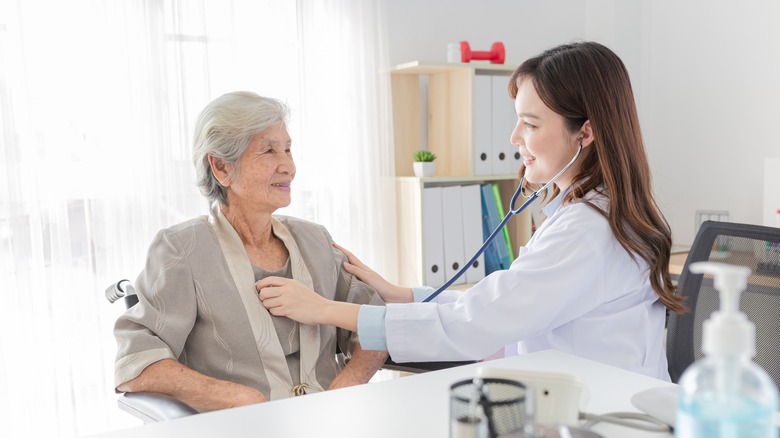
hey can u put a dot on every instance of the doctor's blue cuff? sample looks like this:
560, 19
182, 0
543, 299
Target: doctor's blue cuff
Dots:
371, 327
421, 293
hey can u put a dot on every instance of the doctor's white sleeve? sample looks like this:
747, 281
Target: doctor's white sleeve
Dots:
371, 319
422, 292
551, 284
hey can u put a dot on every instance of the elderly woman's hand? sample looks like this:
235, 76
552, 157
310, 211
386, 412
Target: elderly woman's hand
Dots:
389, 292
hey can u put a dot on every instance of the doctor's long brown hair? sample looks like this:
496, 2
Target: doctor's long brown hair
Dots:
587, 81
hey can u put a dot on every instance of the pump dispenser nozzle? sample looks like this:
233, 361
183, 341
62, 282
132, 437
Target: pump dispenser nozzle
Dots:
725, 394
727, 330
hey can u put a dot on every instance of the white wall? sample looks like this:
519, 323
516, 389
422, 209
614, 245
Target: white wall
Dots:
706, 76
710, 110
772, 192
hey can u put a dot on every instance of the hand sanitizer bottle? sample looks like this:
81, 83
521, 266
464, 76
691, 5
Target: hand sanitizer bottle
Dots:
725, 394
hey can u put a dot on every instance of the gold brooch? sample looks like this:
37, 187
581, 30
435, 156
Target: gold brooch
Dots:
299, 389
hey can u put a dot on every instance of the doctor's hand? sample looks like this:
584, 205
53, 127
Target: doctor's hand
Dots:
286, 297
389, 292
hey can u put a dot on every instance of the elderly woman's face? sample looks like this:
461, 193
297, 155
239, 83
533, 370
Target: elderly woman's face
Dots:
266, 171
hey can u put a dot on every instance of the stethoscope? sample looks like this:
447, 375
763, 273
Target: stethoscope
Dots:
512, 211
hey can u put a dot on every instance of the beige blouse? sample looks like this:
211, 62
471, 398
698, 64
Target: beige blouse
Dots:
287, 330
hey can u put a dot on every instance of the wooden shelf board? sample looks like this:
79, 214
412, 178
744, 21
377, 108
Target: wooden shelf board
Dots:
419, 67
459, 179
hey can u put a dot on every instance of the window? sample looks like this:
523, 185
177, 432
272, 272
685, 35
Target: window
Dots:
97, 102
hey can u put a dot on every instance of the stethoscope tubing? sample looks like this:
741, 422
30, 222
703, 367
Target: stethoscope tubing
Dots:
512, 211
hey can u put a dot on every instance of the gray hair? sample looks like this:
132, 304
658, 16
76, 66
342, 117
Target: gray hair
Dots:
224, 129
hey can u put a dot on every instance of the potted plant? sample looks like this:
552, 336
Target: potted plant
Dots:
423, 163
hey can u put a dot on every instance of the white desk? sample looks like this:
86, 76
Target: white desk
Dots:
414, 406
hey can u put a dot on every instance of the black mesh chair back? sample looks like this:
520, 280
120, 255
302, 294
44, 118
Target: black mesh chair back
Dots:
754, 246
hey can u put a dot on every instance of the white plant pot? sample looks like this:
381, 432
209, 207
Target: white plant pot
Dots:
424, 169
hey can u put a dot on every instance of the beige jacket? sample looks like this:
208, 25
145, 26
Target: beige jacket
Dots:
198, 305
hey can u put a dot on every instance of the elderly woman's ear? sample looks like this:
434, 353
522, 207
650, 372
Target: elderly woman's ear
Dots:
221, 170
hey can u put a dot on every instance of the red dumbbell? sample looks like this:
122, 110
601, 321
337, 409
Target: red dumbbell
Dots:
495, 55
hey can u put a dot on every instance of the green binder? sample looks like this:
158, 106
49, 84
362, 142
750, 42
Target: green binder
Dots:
500, 205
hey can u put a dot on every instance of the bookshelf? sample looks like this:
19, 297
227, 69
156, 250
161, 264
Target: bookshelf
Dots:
451, 115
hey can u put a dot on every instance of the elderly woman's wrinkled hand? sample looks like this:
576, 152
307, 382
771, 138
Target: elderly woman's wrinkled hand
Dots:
289, 298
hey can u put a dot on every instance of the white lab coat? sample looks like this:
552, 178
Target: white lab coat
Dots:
573, 288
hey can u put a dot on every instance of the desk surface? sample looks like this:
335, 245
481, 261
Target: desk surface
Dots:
677, 262
414, 406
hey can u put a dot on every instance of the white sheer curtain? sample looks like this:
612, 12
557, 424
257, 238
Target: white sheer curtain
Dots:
97, 101
347, 134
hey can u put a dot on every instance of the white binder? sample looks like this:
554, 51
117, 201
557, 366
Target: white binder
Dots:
483, 126
452, 225
471, 202
433, 237
506, 157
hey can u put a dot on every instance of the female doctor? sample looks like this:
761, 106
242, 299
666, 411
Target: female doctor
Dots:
593, 280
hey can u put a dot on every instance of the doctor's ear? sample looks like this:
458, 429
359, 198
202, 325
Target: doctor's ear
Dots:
585, 135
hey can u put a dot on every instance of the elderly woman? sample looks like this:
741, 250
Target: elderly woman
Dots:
198, 332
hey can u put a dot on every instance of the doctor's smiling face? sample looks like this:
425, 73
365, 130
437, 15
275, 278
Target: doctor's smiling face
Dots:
545, 142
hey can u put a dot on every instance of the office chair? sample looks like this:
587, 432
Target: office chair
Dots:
150, 407
734, 244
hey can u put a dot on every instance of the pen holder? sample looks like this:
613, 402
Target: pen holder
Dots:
489, 408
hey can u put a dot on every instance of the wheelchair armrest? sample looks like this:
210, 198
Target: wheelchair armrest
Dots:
153, 406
